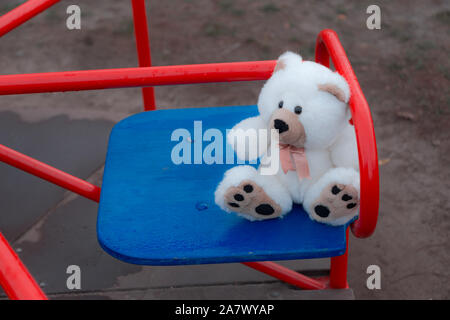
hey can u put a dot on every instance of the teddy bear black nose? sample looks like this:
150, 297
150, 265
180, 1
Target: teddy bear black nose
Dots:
280, 125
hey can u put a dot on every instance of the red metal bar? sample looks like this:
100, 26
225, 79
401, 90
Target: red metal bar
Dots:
23, 13
14, 276
328, 45
135, 77
49, 173
338, 269
143, 48
286, 275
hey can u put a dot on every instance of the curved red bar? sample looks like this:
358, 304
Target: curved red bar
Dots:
23, 13
327, 45
14, 276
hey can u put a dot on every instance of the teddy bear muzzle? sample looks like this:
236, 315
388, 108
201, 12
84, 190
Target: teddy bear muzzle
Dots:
289, 127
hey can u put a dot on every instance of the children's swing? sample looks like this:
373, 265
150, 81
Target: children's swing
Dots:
154, 212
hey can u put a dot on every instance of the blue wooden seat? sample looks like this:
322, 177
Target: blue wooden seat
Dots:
154, 212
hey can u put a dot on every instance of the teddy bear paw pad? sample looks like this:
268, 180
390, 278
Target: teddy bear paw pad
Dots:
336, 201
250, 199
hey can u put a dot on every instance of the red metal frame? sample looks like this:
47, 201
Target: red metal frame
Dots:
23, 13
327, 46
143, 48
14, 277
46, 172
135, 77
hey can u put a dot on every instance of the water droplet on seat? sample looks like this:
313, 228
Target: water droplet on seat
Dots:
200, 206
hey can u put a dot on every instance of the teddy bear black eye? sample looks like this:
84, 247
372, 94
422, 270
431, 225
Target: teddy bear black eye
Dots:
280, 104
298, 109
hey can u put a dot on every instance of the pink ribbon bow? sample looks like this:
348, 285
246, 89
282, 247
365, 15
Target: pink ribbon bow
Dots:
294, 159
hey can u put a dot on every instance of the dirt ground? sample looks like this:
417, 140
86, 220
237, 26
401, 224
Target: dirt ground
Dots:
403, 70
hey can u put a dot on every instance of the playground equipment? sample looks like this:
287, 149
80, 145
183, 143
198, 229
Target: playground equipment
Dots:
125, 239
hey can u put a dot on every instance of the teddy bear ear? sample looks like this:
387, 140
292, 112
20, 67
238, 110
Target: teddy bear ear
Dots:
337, 86
286, 59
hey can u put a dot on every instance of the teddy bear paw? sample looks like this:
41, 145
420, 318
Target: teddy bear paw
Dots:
250, 199
337, 204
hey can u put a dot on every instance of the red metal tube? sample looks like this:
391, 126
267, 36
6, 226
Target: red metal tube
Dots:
143, 48
23, 13
14, 276
49, 173
328, 45
286, 275
338, 270
135, 77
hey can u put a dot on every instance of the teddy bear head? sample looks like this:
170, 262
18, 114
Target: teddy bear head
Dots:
305, 101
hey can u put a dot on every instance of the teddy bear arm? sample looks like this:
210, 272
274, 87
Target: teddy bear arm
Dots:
249, 138
344, 151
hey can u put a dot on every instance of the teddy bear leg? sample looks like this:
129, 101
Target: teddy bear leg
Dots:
334, 198
246, 192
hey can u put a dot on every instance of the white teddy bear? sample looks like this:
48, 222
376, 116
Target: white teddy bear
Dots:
307, 104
